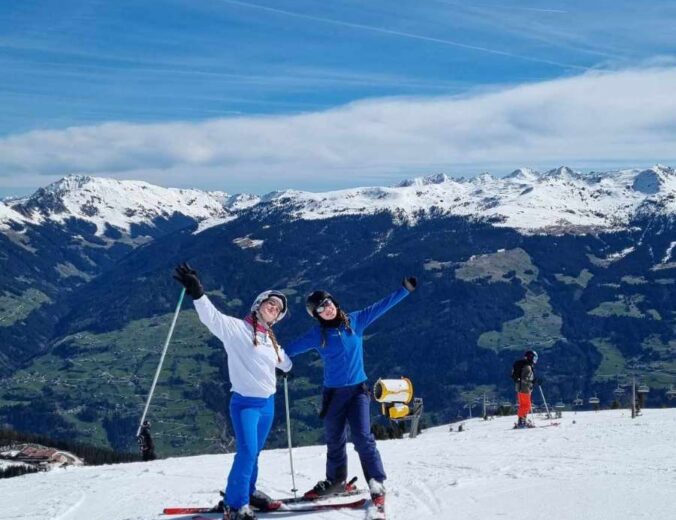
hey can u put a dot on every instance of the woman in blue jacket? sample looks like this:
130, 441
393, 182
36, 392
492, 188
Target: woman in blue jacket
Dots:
338, 338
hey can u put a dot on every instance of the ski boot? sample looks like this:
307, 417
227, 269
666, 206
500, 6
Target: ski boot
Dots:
327, 487
218, 508
243, 513
377, 490
263, 502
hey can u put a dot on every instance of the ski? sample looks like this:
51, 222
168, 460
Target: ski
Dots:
277, 503
303, 500
300, 507
350, 491
375, 512
282, 507
314, 506
532, 426
189, 510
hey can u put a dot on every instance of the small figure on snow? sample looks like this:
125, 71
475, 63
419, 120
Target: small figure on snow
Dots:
253, 355
145, 442
523, 375
338, 338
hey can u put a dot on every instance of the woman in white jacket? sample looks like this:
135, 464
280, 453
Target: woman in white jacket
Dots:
253, 355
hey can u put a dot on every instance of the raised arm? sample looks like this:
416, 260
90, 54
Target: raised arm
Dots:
219, 324
308, 341
365, 317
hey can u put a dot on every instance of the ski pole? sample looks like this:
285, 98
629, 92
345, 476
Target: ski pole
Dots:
288, 434
544, 401
159, 367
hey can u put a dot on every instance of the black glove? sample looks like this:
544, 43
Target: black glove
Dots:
187, 277
281, 373
410, 282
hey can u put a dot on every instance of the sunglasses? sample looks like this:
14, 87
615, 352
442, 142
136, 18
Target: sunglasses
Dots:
324, 305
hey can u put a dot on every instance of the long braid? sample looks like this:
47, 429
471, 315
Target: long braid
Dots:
273, 338
254, 319
274, 344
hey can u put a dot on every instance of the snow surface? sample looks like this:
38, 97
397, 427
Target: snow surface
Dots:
668, 253
554, 201
593, 466
8, 215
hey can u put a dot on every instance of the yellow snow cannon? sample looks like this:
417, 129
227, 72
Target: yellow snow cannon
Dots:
394, 394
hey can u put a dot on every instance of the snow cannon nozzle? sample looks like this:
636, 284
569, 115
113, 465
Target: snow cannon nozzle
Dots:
393, 390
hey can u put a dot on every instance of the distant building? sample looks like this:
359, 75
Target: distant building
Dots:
40, 455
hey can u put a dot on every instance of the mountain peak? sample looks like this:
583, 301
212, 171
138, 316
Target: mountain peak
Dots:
664, 170
68, 183
650, 181
119, 203
561, 171
525, 174
437, 178
483, 178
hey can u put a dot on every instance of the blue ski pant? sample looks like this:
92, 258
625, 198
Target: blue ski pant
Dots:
251, 419
349, 406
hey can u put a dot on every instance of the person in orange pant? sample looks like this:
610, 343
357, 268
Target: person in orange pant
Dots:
523, 375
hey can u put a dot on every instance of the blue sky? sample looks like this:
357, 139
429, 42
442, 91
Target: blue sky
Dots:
211, 71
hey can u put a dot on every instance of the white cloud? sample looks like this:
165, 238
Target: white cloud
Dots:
613, 117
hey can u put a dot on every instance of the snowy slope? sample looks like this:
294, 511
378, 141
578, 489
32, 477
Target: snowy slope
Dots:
553, 201
605, 466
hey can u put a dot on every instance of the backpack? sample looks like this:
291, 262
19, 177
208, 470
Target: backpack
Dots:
517, 368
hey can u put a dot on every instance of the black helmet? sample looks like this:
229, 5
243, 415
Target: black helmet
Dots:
315, 300
531, 356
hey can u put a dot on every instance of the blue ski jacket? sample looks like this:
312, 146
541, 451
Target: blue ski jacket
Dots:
343, 354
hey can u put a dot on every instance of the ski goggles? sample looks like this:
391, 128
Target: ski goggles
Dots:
324, 305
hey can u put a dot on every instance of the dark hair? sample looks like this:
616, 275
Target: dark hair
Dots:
342, 318
273, 338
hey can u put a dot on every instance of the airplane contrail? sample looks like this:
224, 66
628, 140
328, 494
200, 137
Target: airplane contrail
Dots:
402, 34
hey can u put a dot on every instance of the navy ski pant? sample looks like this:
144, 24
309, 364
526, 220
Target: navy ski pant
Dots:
251, 419
345, 406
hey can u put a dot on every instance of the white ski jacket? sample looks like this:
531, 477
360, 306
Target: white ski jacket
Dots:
251, 368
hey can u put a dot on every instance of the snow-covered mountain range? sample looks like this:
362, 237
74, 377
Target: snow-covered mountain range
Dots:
527, 200
596, 466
